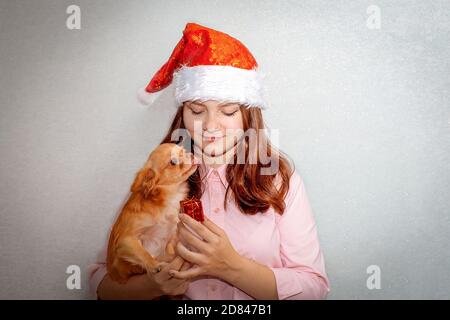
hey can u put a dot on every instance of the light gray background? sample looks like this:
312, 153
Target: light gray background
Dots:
363, 113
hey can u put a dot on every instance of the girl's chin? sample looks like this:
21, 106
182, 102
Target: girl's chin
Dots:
215, 152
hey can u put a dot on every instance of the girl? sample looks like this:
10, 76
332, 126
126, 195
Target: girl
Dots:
259, 237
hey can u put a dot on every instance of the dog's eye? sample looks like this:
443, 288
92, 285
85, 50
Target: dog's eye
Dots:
174, 162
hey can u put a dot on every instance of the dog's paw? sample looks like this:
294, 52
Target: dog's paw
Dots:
159, 267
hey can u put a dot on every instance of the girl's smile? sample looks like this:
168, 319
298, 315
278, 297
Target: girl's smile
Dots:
214, 127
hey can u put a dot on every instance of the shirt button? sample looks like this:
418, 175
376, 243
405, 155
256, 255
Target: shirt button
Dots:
213, 287
216, 210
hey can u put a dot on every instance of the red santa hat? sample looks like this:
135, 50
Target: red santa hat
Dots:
207, 64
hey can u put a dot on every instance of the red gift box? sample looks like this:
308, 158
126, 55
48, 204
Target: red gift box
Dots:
193, 208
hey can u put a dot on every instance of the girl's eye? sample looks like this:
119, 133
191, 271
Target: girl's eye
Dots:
196, 112
231, 114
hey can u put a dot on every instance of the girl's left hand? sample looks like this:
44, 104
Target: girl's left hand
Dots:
215, 254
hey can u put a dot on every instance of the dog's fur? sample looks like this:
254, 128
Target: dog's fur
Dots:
143, 237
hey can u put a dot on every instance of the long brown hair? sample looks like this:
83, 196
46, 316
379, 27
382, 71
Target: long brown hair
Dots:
252, 191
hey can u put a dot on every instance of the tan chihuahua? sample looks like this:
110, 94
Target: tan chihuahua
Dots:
143, 237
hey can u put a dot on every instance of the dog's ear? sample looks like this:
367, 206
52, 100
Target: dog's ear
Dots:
149, 182
137, 183
145, 179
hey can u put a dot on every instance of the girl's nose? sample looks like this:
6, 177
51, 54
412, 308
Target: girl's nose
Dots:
211, 123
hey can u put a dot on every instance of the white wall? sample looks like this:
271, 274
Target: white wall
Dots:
363, 113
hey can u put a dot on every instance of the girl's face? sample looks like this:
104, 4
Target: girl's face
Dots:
215, 127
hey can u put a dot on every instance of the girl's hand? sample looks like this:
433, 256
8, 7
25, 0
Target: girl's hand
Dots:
214, 256
146, 286
164, 282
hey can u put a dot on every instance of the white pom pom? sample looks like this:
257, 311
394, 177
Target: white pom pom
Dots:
147, 98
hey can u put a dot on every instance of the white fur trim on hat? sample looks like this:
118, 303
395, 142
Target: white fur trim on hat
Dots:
221, 83
147, 98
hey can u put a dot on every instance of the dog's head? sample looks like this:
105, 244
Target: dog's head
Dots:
168, 164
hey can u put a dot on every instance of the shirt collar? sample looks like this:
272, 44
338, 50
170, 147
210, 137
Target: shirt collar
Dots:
209, 173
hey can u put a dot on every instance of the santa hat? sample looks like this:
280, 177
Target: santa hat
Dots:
207, 64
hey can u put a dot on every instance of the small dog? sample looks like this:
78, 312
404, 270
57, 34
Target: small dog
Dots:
143, 237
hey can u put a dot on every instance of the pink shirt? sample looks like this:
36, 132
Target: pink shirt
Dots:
287, 244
